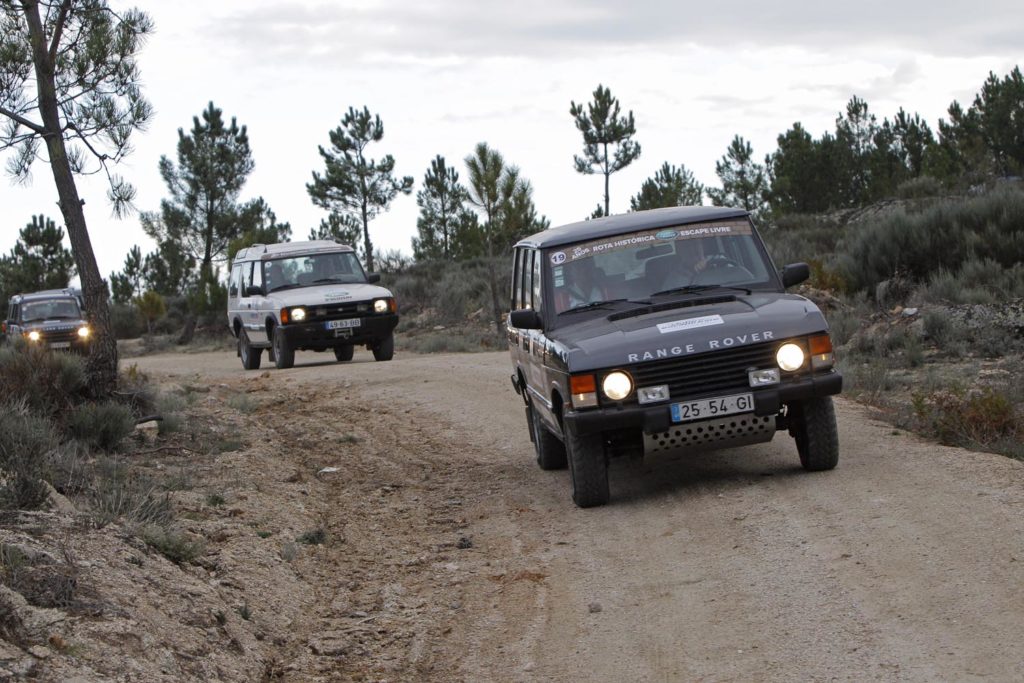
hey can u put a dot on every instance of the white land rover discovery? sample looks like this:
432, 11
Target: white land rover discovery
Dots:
307, 296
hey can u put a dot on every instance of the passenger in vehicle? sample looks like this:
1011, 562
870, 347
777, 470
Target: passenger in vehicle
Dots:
582, 285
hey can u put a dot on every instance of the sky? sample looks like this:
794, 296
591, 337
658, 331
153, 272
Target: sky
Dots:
444, 75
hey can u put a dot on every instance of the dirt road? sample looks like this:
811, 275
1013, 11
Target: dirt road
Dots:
905, 563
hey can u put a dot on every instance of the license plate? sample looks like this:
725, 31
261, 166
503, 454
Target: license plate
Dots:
60, 345
712, 407
343, 324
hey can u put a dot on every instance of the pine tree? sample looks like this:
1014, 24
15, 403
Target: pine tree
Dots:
69, 81
603, 127
670, 186
442, 203
354, 184
744, 181
127, 284
38, 260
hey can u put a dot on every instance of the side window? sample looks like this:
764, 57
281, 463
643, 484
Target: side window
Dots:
246, 278
517, 265
257, 273
236, 281
537, 280
527, 276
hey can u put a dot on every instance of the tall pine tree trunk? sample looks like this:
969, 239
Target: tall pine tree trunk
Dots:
101, 366
366, 241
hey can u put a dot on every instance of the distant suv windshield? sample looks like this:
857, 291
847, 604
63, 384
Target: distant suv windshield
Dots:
657, 263
50, 309
313, 270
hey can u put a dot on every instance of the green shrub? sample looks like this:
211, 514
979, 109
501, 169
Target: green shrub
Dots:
919, 188
26, 441
47, 383
946, 235
101, 425
176, 546
126, 322
973, 419
118, 493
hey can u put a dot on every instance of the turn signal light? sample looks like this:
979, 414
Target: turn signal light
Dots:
822, 356
584, 391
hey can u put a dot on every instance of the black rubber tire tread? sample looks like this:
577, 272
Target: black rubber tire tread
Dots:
284, 354
251, 357
588, 467
817, 436
344, 353
385, 350
550, 451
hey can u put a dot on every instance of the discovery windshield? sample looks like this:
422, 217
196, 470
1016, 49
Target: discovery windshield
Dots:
50, 309
313, 270
652, 264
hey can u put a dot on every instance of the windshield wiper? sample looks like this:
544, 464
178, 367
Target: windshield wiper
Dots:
592, 305
693, 289
329, 280
287, 286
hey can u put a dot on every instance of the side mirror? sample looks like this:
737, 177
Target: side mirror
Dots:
794, 274
373, 277
253, 290
526, 319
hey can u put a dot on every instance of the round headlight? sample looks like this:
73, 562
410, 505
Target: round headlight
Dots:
298, 314
790, 357
380, 306
617, 385
83, 332
34, 335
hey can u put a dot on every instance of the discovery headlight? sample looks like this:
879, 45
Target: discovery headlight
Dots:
34, 336
380, 306
83, 332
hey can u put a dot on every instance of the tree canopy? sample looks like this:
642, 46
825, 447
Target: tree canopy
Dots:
39, 260
603, 127
670, 186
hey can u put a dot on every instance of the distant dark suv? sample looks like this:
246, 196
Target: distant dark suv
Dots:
52, 318
665, 330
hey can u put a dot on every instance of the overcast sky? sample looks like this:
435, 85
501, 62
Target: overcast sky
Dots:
444, 75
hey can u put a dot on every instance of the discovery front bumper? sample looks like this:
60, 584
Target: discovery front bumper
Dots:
655, 419
311, 336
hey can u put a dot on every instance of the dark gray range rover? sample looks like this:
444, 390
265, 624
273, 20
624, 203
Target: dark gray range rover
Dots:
661, 331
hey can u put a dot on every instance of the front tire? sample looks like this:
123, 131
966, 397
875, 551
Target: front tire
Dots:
344, 353
385, 349
250, 357
816, 434
284, 353
550, 451
588, 467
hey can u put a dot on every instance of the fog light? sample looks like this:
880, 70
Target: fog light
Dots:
656, 394
83, 332
790, 357
34, 336
617, 385
380, 306
763, 378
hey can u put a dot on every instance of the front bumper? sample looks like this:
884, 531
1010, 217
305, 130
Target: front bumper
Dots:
315, 335
657, 418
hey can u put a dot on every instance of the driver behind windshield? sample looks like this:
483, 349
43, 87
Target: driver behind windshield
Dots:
582, 285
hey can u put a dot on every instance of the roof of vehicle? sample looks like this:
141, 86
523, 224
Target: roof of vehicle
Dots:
47, 294
269, 251
629, 222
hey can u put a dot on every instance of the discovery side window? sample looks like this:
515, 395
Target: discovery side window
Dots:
517, 290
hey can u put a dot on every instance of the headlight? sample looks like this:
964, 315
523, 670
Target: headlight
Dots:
83, 332
617, 385
380, 306
790, 357
34, 335
298, 314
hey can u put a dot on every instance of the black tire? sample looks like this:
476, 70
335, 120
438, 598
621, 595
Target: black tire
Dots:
816, 434
550, 451
588, 467
251, 357
385, 348
344, 353
284, 354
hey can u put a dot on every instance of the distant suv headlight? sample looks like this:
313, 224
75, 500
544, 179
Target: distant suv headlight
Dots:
34, 336
83, 332
384, 305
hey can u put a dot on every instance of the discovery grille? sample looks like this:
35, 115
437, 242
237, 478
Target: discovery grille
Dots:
709, 374
339, 311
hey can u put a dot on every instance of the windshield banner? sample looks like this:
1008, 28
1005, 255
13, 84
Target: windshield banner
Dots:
631, 241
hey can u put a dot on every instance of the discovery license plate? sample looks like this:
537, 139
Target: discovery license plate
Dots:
60, 345
708, 408
343, 324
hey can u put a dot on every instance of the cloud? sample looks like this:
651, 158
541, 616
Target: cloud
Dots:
448, 30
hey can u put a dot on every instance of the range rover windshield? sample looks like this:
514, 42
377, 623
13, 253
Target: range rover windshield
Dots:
313, 270
50, 309
652, 265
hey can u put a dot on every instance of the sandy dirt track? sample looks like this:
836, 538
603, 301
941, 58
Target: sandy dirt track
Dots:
905, 563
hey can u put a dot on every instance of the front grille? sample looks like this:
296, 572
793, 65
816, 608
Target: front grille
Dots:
709, 374
352, 309
62, 335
